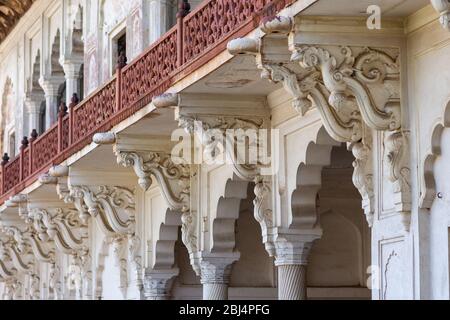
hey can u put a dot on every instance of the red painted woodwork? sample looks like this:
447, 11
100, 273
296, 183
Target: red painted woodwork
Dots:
196, 38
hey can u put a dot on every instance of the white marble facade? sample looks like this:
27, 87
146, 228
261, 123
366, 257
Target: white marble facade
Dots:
358, 207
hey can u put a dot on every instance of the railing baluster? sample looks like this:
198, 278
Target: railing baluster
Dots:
183, 10
33, 137
22, 150
129, 97
5, 161
73, 103
121, 63
62, 112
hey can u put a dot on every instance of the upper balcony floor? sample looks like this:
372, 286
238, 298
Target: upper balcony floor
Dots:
67, 77
63, 47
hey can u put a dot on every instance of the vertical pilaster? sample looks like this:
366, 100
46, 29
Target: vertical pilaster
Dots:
51, 88
34, 109
72, 72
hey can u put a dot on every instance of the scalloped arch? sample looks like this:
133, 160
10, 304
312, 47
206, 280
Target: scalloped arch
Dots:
309, 181
228, 209
167, 237
428, 192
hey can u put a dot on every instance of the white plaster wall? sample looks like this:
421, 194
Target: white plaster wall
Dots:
429, 93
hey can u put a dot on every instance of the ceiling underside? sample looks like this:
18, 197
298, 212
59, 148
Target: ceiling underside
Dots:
10, 13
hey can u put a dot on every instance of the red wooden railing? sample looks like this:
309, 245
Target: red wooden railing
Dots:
196, 38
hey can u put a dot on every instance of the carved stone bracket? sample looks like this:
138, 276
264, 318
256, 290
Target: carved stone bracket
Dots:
397, 156
356, 91
263, 209
63, 226
173, 177
112, 207
212, 130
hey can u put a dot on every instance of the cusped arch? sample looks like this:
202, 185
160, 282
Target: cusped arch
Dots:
35, 87
164, 258
309, 181
56, 70
428, 193
77, 43
228, 209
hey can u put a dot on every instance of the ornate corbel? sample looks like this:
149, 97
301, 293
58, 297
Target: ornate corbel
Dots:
26, 247
212, 133
7, 269
113, 207
172, 177
363, 176
263, 209
349, 79
443, 8
396, 148
63, 226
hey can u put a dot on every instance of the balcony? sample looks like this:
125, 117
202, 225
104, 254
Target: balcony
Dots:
195, 39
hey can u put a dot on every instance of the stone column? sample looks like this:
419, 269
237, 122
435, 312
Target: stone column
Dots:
158, 284
33, 103
215, 277
72, 72
160, 18
51, 88
291, 260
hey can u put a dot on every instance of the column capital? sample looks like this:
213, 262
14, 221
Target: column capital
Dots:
72, 67
217, 269
51, 85
294, 249
33, 102
158, 283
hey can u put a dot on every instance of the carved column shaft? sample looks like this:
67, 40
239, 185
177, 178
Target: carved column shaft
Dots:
291, 259
292, 282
